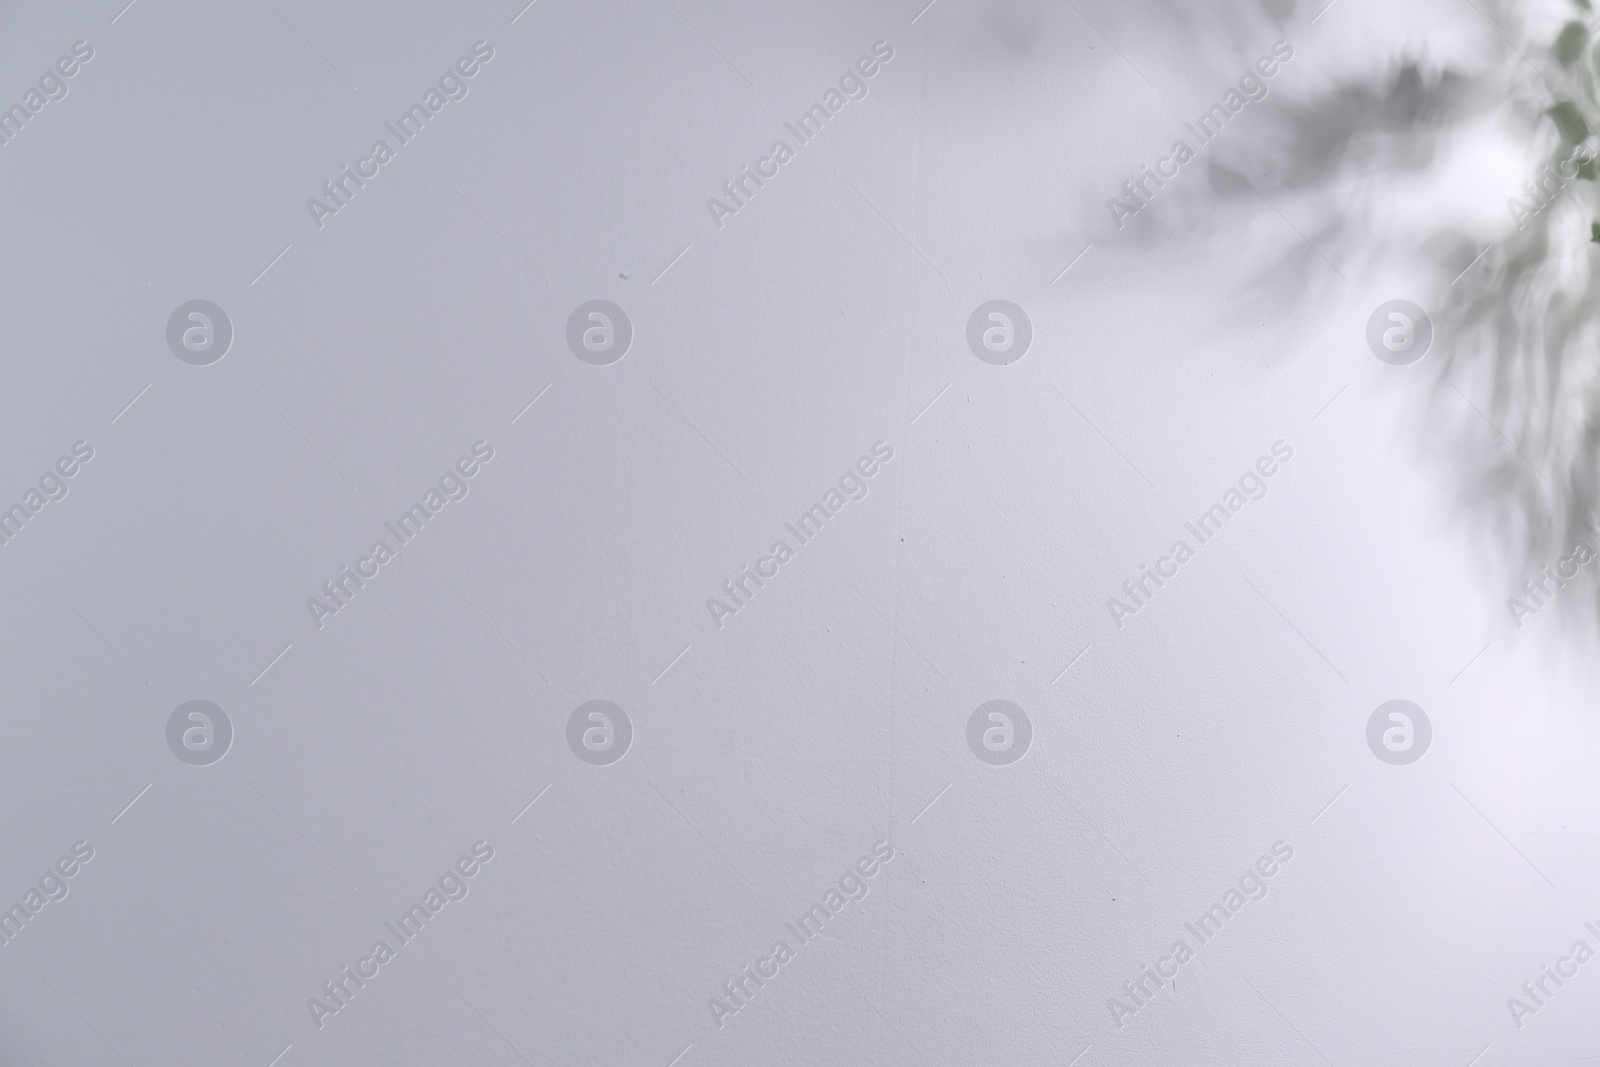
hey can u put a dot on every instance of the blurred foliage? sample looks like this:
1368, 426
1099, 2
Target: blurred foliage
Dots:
1517, 323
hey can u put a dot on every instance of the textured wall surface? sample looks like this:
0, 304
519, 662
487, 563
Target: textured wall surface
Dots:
397, 381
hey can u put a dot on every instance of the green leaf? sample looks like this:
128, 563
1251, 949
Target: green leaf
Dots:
1569, 121
1569, 46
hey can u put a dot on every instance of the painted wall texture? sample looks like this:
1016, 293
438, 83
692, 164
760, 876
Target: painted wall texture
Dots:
685, 533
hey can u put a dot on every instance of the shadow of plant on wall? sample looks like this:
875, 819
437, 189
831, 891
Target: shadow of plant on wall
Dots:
1513, 413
